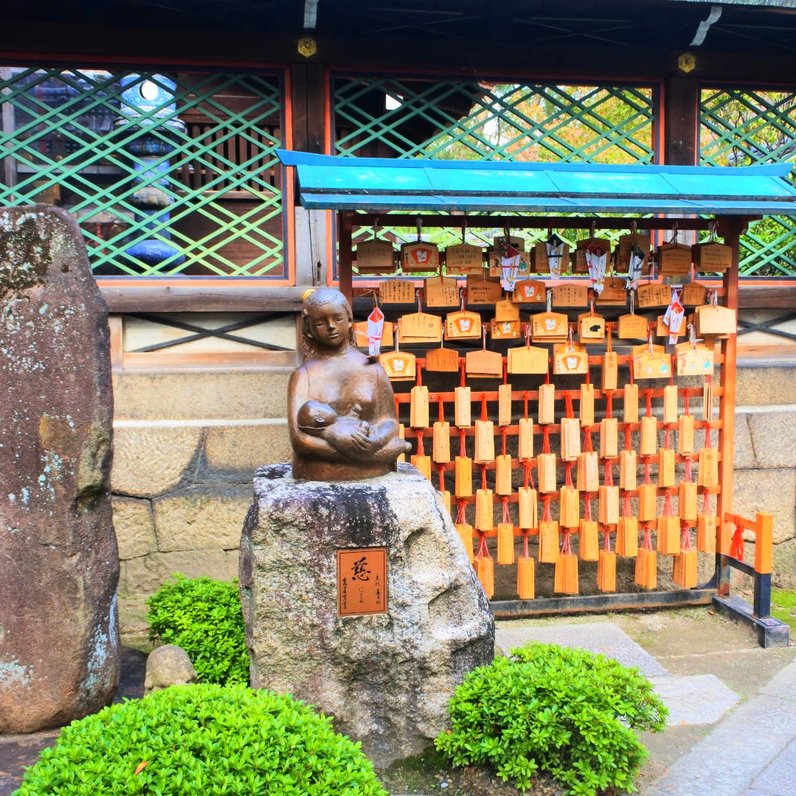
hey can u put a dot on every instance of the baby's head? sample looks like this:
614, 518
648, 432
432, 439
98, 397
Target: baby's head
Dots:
315, 415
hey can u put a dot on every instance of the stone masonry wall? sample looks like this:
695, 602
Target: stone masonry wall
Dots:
182, 484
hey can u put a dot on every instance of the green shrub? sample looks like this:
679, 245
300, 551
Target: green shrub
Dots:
568, 712
206, 740
203, 616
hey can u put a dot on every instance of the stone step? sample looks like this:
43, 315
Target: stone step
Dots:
190, 394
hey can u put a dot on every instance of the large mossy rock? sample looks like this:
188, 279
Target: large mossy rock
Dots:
59, 639
386, 678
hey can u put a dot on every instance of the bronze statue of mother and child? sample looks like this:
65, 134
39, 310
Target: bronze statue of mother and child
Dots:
341, 411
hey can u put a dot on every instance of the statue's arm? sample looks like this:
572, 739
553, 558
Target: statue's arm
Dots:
304, 444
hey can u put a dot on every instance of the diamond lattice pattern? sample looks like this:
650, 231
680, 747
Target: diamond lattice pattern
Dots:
194, 171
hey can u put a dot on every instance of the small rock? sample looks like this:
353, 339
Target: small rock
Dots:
168, 665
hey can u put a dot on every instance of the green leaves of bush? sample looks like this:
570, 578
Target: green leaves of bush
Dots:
206, 740
565, 711
203, 616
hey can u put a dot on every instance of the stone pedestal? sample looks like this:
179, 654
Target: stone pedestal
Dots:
386, 678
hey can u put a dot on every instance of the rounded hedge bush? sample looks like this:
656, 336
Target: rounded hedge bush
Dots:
203, 616
203, 740
568, 712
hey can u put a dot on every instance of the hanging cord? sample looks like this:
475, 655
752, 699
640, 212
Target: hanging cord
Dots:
685, 535
736, 546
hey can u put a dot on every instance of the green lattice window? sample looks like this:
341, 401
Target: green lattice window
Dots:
744, 127
477, 120
166, 175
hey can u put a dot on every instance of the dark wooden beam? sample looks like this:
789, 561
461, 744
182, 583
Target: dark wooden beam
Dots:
681, 121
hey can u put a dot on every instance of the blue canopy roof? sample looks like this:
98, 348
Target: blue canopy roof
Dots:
379, 184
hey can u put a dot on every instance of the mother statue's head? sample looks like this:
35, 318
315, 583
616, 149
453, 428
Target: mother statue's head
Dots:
318, 301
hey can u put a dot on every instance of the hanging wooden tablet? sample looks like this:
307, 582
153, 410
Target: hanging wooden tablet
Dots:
706, 533
648, 438
568, 507
588, 472
419, 257
668, 535
484, 510
483, 364
398, 365
462, 325
707, 400
546, 472
529, 291
715, 321
441, 442
506, 311
465, 531
647, 502
570, 295
423, 464
374, 257
565, 577
624, 248
548, 542
504, 405
397, 291
630, 403
651, 362
684, 571
670, 399
549, 327
462, 407
570, 439
708, 472
463, 477
712, 257
610, 370
485, 570
693, 294
540, 261
663, 330
547, 399
528, 359
361, 335
653, 294
591, 328
505, 543
666, 474
628, 469
609, 438
627, 537
462, 259
632, 327
481, 290
442, 360
586, 406
441, 291
527, 504
484, 442
505, 330
526, 581
418, 407
685, 435
503, 474
694, 360
608, 505
614, 292
687, 501
674, 259
525, 439
570, 359
588, 541
420, 327
401, 435
646, 574
579, 264
446, 499
606, 571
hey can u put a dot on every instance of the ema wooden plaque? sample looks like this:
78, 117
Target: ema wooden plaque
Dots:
362, 581
375, 257
463, 258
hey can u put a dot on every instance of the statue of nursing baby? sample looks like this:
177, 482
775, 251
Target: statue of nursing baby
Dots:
341, 412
